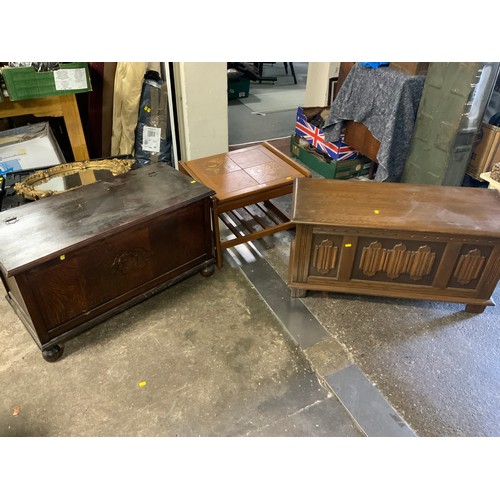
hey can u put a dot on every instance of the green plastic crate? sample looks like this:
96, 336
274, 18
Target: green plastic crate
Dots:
238, 88
27, 83
343, 169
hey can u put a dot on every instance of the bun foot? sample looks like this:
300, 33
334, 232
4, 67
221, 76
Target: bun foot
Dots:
474, 309
208, 271
52, 354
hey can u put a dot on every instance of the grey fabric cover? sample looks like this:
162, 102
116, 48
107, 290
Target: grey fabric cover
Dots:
386, 102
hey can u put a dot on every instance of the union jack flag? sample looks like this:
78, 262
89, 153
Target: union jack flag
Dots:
316, 137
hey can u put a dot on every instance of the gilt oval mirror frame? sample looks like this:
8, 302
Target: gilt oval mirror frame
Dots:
36, 185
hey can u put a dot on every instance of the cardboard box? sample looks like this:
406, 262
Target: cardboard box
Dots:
29, 148
486, 152
316, 137
492, 184
333, 169
238, 88
27, 83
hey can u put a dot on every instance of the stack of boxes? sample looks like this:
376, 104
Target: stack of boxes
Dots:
28, 83
331, 160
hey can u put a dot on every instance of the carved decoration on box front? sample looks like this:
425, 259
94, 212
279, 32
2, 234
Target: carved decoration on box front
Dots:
469, 266
420, 263
396, 261
325, 256
371, 258
131, 260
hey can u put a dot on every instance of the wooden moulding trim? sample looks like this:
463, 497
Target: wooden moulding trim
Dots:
401, 235
292, 265
426, 293
491, 274
290, 161
304, 238
250, 196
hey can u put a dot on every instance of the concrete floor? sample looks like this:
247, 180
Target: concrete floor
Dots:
437, 366
214, 359
222, 356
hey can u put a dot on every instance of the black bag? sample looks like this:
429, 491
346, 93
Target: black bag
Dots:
153, 134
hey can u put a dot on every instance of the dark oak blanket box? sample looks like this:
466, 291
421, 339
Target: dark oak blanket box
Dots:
396, 240
72, 260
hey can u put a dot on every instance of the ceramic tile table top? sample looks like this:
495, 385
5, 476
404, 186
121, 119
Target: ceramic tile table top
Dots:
245, 181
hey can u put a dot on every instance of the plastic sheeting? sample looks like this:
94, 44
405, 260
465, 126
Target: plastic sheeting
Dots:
153, 134
386, 101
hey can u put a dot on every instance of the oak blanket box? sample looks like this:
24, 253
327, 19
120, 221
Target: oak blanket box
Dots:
396, 240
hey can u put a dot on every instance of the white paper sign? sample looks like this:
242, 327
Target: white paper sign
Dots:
70, 79
151, 139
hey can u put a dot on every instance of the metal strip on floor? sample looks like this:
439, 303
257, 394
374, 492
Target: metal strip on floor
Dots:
304, 328
366, 405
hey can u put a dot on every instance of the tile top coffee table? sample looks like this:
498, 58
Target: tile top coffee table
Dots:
245, 181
